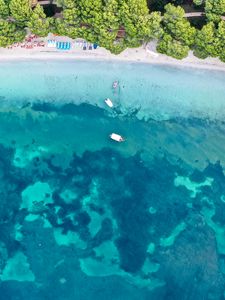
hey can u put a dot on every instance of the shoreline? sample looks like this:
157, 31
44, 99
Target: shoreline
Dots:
131, 55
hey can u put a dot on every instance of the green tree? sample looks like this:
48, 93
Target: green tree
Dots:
4, 9
221, 40
214, 9
91, 18
38, 23
198, 2
205, 42
69, 25
155, 20
176, 25
110, 14
135, 18
9, 33
91, 12
110, 25
62, 28
20, 10
173, 14
167, 45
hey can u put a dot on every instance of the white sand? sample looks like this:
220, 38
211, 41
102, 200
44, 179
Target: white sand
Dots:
142, 54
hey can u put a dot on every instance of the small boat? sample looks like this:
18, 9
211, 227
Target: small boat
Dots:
115, 84
109, 102
116, 137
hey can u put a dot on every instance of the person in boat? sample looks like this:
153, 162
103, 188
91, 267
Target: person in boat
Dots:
115, 84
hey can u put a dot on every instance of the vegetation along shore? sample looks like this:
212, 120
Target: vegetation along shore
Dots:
178, 27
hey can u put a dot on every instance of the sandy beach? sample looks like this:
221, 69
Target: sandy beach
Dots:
144, 54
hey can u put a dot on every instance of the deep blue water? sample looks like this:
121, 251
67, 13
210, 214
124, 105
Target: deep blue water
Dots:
85, 218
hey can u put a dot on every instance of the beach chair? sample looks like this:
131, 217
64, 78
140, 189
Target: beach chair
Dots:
51, 43
63, 45
68, 46
59, 45
95, 46
84, 46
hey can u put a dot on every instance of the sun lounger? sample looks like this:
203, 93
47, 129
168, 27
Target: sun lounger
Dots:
84, 46
51, 43
63, 45
95, 46
59, 45
67, 46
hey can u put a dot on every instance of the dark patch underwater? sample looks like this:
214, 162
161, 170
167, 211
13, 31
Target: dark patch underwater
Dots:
112, 225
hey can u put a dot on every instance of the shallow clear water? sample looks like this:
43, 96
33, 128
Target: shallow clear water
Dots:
82, 217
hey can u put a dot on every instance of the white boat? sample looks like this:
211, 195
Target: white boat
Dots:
116, 137
109, 102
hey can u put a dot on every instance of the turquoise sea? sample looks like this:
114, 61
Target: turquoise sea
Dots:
85, 218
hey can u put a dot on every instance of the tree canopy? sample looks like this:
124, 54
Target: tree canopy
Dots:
178, 35
221, 40
4, 9
117, 24
38, 22
171, 47
9, 33
176, 25
198, 2
205, 44
214, 9
135, 20
20, 10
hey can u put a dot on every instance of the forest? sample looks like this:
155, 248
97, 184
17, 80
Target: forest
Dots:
119, 24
